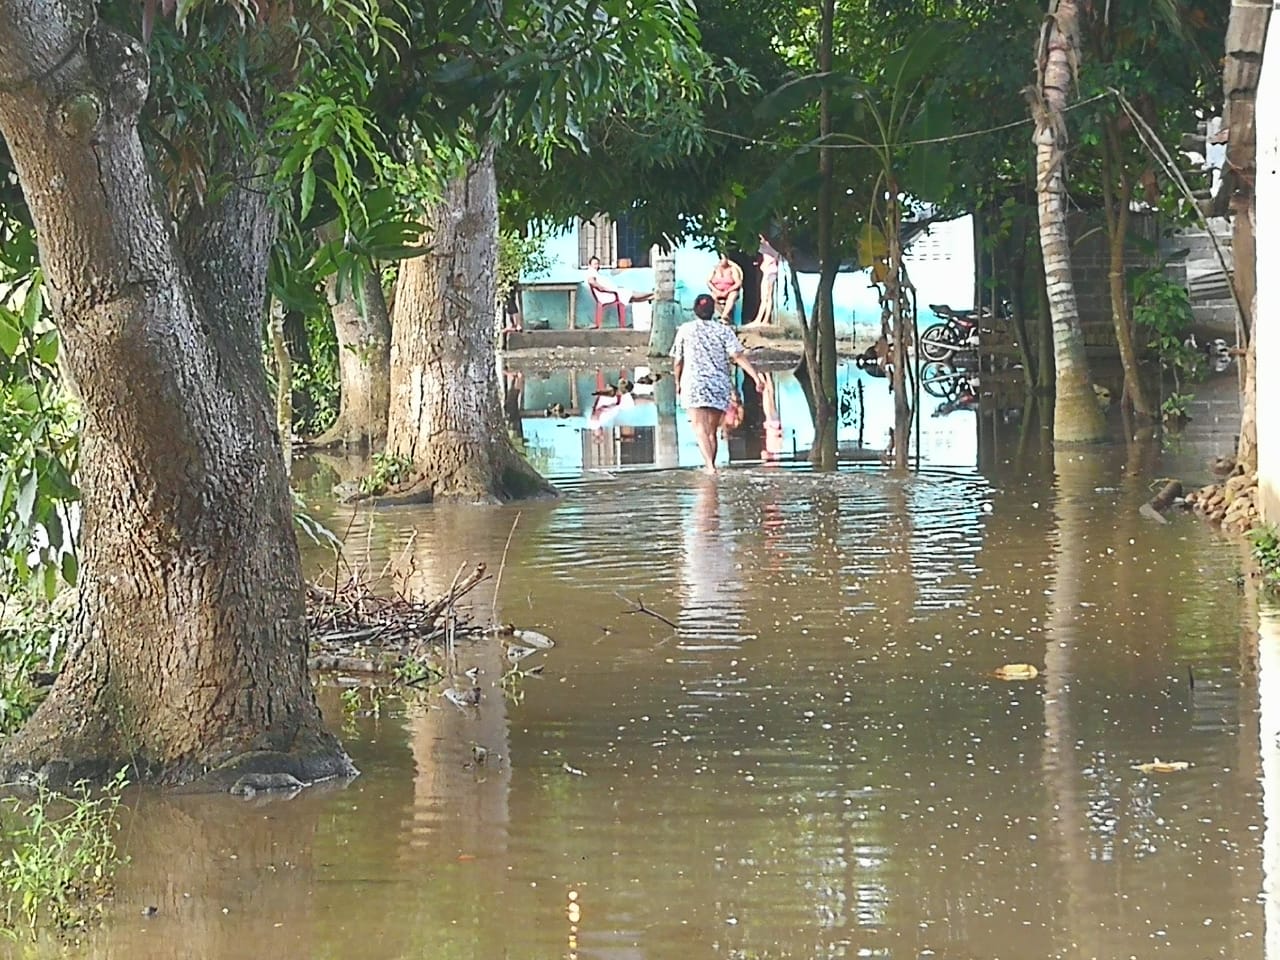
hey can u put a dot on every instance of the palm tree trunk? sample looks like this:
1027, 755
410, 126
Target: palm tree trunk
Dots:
1076, 416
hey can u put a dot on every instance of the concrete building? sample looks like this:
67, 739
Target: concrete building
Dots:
1267, 246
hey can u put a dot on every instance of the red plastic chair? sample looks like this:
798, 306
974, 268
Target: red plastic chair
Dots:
601, 306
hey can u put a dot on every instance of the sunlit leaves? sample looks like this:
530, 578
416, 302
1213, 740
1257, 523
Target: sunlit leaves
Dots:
39, 438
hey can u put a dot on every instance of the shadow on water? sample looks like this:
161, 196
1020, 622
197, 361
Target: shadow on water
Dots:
815, 762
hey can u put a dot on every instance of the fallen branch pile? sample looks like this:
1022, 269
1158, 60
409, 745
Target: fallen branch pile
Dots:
352, 628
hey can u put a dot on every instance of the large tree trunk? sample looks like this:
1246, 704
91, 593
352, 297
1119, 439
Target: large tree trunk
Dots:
364, 366
1076, 416
190, 645
446, 411
824, 453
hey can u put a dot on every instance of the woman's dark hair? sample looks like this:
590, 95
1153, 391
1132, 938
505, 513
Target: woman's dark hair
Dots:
704, 307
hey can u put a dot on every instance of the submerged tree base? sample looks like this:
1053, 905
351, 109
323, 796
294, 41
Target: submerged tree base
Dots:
39, 756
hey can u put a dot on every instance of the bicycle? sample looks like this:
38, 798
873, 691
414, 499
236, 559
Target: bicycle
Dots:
957, 332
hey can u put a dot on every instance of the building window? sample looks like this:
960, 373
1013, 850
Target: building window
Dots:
597, 238
630, 243
611, 240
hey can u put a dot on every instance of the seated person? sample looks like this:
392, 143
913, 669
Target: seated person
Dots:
725, 283
606, 291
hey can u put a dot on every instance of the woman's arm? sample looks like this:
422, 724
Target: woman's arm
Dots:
741, 360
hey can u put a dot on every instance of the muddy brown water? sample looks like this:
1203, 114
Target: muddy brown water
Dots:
816, 762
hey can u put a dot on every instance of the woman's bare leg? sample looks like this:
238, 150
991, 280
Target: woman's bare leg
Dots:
706, 424
726, 312
764, 315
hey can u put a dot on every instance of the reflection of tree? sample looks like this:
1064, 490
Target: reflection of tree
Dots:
192, 857
462, 781
1077, 476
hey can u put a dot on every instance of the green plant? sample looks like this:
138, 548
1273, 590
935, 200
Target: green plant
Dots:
60, 856
33, 635
1265, 543
520, 257
1163, 308
39, 437
387, 471
1176, 405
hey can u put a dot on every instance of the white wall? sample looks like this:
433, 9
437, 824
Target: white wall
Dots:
1267, 313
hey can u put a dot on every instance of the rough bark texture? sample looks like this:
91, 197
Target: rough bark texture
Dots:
284, 384
364, 366
901, 337
1117, 197
189, 656
826, 425
1076, 417
446, 410
1245, 257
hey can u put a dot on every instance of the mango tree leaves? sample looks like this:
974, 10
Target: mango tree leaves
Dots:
40, 442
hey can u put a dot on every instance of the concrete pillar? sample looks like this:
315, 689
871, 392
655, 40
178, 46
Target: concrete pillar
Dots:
1266, 314
667, 436
666, 312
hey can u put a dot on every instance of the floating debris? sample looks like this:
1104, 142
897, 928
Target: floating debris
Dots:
1016, 671
1162, 766
534, 639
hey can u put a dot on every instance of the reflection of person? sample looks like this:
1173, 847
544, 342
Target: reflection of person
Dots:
724, 283
606, 291
708, 571
769, 258
772, 422
703, 351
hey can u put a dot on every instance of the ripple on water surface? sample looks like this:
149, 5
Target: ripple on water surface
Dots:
814, 762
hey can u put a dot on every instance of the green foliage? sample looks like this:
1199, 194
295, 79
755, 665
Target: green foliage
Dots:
60, 856
315, 377
520, 256
1163, 308
33, 637
39, 440
388, 471
1265, 544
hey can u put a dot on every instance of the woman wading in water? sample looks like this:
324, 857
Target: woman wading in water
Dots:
703, 352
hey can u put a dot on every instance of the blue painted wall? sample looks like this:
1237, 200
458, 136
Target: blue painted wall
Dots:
940, 265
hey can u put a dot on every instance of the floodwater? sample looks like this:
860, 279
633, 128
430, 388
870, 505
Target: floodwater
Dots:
814, 762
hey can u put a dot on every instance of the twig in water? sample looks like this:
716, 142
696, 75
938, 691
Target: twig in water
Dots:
497, 585
639, 607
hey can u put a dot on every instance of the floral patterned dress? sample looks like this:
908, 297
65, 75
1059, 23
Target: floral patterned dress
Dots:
706, 347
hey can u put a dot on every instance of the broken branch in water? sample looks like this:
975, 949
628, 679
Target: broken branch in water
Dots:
354, 616
637, 606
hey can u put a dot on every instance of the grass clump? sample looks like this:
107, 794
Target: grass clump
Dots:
59, 857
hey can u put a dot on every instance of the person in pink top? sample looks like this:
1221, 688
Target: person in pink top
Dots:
725, 283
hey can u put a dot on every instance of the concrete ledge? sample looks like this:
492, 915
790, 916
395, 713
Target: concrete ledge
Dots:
610, 339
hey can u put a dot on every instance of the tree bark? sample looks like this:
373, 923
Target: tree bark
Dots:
1117, 193
1076, 416
364, 366
189, 654
901, 337
824, 453
446, 411
284, 383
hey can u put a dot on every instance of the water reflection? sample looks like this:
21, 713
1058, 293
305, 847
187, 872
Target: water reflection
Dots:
583, 420
815, 763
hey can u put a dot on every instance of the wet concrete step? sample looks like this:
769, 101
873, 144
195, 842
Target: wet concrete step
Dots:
615, 339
